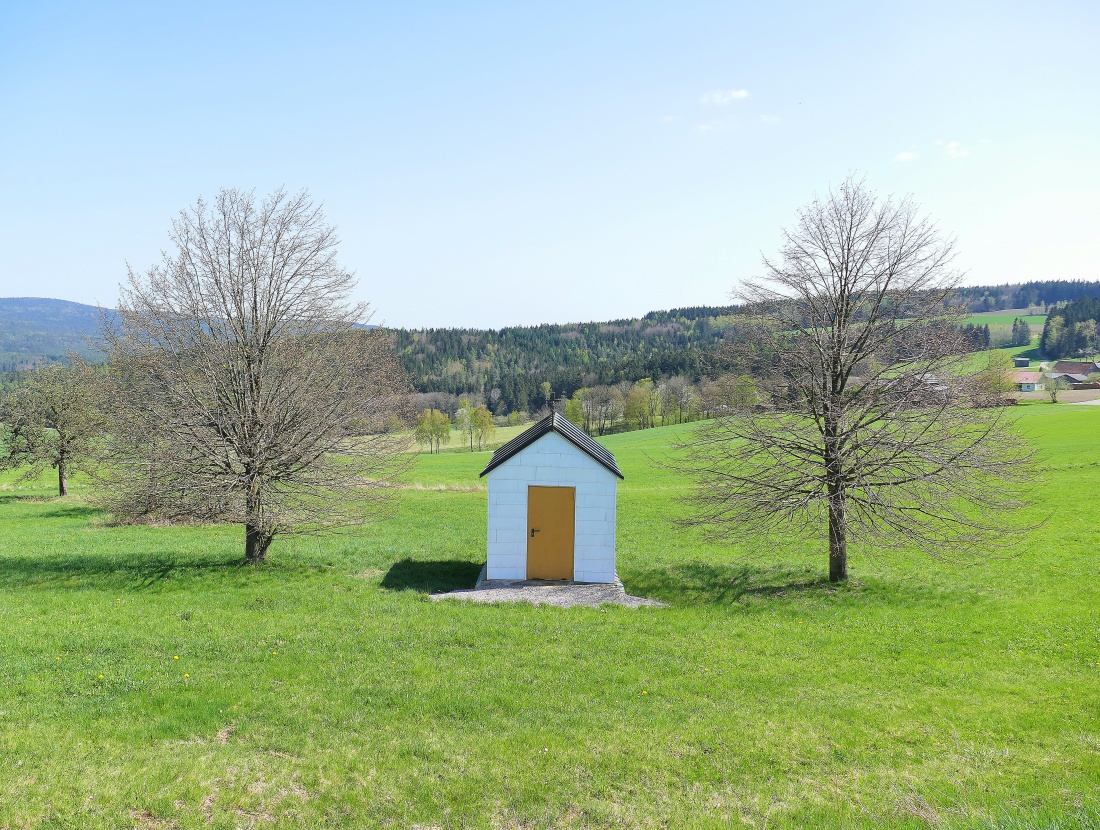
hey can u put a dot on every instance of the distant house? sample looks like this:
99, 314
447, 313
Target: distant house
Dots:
1021, 362
1029, 381
1068, 378
1075, 367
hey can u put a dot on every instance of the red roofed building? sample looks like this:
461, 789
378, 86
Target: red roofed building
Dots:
1029, 381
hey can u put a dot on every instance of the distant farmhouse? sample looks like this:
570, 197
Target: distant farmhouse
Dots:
1075, 367
1073, 371
1029, 381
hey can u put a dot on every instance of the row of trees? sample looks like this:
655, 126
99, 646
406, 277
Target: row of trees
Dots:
1037, 295
474, 422
600, 410
506, 366
240, 386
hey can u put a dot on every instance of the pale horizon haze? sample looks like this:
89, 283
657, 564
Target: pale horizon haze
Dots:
492, 164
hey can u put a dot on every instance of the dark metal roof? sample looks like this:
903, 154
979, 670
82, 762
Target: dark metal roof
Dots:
558, 423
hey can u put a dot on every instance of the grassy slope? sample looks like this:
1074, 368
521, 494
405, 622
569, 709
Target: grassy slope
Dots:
1000, 318
326, 691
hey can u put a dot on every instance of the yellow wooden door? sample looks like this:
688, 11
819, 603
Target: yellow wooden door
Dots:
551, 513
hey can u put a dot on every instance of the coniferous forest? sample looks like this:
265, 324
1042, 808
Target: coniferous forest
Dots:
507, 367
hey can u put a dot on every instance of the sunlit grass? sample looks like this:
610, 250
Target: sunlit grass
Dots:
151, 680
1000, 318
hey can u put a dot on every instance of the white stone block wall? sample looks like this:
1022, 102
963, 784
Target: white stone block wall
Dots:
552, 461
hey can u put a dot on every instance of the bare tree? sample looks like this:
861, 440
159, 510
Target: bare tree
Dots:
53, 419
861, 419
247, 389
681, 395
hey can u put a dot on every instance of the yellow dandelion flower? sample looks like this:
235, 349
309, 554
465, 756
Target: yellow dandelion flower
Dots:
101, 677
58, 658
644, 692
187, 675
177, 657
274, 653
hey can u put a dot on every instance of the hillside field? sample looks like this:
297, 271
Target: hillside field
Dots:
149, 680
994, 318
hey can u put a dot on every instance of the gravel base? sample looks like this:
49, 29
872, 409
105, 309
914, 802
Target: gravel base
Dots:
562, 594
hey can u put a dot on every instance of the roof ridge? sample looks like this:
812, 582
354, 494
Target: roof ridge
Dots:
555, 422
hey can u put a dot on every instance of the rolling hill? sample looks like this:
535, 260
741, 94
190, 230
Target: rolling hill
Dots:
35, 330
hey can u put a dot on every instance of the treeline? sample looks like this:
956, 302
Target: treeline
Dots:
1039, 294
508, 368
1073, 329
599, 410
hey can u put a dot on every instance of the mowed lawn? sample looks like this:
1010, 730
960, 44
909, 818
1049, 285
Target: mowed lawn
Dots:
148, 680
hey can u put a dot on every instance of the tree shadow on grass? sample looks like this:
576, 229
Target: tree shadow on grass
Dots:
431, 577
129, 572
703, 583
52, 507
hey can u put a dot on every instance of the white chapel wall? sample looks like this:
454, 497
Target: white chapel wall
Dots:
552, 461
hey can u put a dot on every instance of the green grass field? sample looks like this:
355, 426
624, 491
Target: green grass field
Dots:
149, 680
460, 441
997, 318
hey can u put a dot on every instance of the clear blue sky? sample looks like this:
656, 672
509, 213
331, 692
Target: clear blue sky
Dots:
494, 164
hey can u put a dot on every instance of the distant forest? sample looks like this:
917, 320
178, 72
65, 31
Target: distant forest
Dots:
37, 331
1039, 294
1073, 329
505, 367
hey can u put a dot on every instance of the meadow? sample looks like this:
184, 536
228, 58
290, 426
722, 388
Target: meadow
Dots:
1002, 318
150, 680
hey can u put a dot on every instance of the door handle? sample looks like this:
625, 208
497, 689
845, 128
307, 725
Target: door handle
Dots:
534, 530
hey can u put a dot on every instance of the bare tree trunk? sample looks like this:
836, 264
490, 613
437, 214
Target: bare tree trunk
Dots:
257, 539
62, 477
838, 525
838, 538
256, 543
